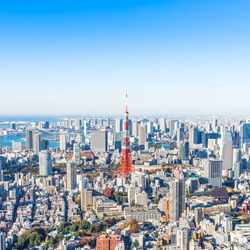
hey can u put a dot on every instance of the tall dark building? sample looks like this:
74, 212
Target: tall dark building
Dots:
184, 151
29, 138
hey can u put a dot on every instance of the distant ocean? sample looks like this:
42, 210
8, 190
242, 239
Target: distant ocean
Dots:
6, 141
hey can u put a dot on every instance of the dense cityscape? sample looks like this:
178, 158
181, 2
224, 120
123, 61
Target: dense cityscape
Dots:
131, 183
125, 125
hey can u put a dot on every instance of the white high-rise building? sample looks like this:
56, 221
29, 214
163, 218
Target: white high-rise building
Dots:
63, 142
227, 150
162, 123
45, 167
142, 138
118, 125
213, 171
36, 143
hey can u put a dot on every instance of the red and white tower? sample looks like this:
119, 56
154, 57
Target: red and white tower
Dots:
126, 165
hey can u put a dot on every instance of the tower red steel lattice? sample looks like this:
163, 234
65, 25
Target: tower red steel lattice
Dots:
126, 165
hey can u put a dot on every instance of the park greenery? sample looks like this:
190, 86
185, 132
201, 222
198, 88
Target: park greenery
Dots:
84, 230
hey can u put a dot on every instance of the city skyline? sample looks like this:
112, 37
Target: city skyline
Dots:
66, 58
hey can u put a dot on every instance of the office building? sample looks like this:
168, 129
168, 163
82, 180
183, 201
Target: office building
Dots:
162, 123
134, 128
29, 138
86, 198
44, 144
227, 150
142, 137
45, 167
177, 198
99, 141
182, 238
1, 171
213, 171
180, 134
184, 151
2, 241
63, 142
71, 176
244, 134
36, 143
76, 154
193, 135
118, 125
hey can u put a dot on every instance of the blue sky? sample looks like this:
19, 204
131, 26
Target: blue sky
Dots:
78, 57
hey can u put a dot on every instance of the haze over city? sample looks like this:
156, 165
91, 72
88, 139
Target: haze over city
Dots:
78, 57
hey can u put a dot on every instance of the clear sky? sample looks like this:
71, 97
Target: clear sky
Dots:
78, 57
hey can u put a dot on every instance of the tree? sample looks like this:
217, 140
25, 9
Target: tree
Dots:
135, 228
135, 244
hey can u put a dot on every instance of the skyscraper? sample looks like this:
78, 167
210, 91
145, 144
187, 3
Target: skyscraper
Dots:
244, 133
162, 123
63, 142
193, 135
213, 171
2, 241
45, 167
71, 176
1, 171
118, 125
29, 138
184, 150
99, 141
227, 150
142, 137
76, 154
36, 143
177, 198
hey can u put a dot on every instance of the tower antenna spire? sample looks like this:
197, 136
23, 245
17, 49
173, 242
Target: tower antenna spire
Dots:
126, 165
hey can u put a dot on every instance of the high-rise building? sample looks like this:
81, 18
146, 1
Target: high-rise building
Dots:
1, 171
193, 135
36, 143
86, 198
44, 144
2, 241
142, 137
162, 123
13, 125
29, 138
134, 128
184, 151
182, 238
76, 154
118, 125
227, 150
45, 167
71, 176
180, 134
118, 141
63, 142
177, 198
244, 133
99, 141
213, 171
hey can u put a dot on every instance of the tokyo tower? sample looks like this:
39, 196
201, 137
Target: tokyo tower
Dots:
126, 165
